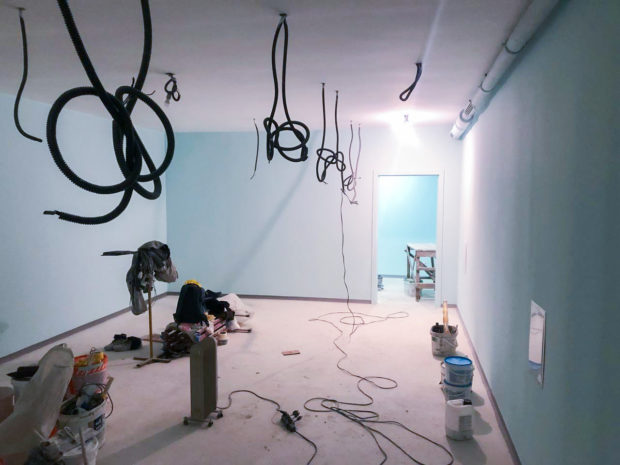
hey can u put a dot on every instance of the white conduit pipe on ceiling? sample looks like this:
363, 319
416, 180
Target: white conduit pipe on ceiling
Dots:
529, 22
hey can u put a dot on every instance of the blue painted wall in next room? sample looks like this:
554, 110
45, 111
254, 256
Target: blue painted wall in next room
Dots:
407, 212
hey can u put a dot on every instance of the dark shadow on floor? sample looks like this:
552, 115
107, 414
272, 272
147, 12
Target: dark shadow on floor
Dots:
467, 452
148, 446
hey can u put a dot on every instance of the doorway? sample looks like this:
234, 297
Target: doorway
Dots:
407, 236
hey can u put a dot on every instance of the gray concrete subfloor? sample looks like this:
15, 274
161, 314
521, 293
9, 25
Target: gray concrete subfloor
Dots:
149, 403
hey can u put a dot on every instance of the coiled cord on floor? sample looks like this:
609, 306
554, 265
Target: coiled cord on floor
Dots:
22, 84
278, 409
130, 159
356, 411
171, 89
405, 94
274, 131
257, 147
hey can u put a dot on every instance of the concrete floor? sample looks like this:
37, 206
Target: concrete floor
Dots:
150, 403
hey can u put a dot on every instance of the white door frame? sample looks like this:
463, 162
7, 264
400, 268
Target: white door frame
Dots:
440, 220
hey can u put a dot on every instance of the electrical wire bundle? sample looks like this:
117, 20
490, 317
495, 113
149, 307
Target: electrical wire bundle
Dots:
22, 84
274, 131
327, 157
171, 89
130, 159
287, 420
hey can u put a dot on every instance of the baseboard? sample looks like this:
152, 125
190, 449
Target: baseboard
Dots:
51, 340
280, 297
498, 414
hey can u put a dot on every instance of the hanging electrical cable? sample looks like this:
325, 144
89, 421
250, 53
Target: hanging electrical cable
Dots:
274, 131
22, 84
405, 94
350, 182
171, 89
257, 147
333, 157
130, 160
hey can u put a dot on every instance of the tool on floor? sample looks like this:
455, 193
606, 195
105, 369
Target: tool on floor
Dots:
203, 383
151, 358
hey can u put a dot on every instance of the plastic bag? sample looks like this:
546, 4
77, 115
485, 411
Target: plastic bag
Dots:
36, 411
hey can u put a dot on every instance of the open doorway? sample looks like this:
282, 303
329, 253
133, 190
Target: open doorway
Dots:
407, 237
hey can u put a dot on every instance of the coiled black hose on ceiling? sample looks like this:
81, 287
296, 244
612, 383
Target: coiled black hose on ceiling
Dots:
119, 106
274, 131
22, 84
405, 94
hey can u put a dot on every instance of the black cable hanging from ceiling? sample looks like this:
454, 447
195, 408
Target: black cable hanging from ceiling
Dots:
274, 131
130, 159
350, 182
22, 84
405, 94
171, 89
333, 157
257, 147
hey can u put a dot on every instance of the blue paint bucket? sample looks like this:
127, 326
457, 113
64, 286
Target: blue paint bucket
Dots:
459, 371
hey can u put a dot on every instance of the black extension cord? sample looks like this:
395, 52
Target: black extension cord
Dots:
22, 84
123, 132
274, 131
404, 95
286, 420
171, 89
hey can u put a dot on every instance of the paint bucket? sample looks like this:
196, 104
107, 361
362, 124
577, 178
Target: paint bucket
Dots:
456, 392
6, 402
86, 371
459, 371
74, 456
94, 419
443, 344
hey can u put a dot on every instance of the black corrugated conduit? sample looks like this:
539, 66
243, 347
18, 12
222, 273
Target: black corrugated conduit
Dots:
123, 131
171, 89
257, 147
274, 131
23, 81
327, 157
405, 94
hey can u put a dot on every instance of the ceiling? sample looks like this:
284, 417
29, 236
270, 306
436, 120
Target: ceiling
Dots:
220, 52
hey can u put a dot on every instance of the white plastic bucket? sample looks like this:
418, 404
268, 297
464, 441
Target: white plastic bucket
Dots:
443, 344
74, 456
457, 392
6, 402
459, 371
94, 419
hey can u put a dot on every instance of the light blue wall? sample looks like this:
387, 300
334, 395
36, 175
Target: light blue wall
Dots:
53, 278
540, 210
407, 212
279, 234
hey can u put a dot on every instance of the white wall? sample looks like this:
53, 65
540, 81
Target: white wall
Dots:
53, 278
279, 234
541, 193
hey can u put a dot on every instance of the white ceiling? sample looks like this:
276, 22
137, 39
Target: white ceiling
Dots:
220, 51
